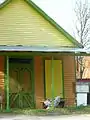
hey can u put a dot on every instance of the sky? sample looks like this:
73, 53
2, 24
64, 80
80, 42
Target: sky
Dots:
1, 1
62, 11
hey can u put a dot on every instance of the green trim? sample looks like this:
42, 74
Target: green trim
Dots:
52, 84
50, 20
7, 85
63, 80
4, 3
33, 82
5, 78
44, 78
75, 67
75, 78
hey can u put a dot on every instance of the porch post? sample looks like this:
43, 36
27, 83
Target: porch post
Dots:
52, 83
7, 84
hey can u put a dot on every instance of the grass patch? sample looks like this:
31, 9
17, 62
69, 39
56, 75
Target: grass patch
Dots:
56, 111
79, 110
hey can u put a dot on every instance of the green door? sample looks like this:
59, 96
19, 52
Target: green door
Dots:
21, 83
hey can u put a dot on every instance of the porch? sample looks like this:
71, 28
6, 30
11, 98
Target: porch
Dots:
30, 78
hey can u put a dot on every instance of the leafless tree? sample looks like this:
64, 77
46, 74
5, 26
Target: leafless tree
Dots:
82, 12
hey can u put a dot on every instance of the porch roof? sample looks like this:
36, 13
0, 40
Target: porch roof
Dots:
41, 49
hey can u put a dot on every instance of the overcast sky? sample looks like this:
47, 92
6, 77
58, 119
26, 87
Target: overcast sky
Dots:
1, 1
62, 11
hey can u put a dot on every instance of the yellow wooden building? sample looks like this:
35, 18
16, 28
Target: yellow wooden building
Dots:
36, 58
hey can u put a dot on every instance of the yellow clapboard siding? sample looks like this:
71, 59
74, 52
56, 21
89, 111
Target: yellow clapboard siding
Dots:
20, 24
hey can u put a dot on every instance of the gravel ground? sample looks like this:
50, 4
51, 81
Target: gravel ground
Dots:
27, 117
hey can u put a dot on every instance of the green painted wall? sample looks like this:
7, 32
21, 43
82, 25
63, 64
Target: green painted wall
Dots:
58, 85
20, 24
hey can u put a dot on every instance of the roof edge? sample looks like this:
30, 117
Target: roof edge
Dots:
4, 3
40, 49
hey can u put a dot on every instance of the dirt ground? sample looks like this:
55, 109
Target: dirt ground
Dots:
27, 117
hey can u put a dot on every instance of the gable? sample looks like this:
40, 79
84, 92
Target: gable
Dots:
21, 24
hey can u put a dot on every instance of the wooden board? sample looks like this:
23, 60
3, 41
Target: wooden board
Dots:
58, 87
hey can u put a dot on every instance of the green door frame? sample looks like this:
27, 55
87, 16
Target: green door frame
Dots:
7, 79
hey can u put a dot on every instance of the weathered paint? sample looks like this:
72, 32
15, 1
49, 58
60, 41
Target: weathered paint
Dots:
57, 74
27, 27
39, 82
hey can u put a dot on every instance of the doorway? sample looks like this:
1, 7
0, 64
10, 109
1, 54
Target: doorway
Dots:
21, 82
